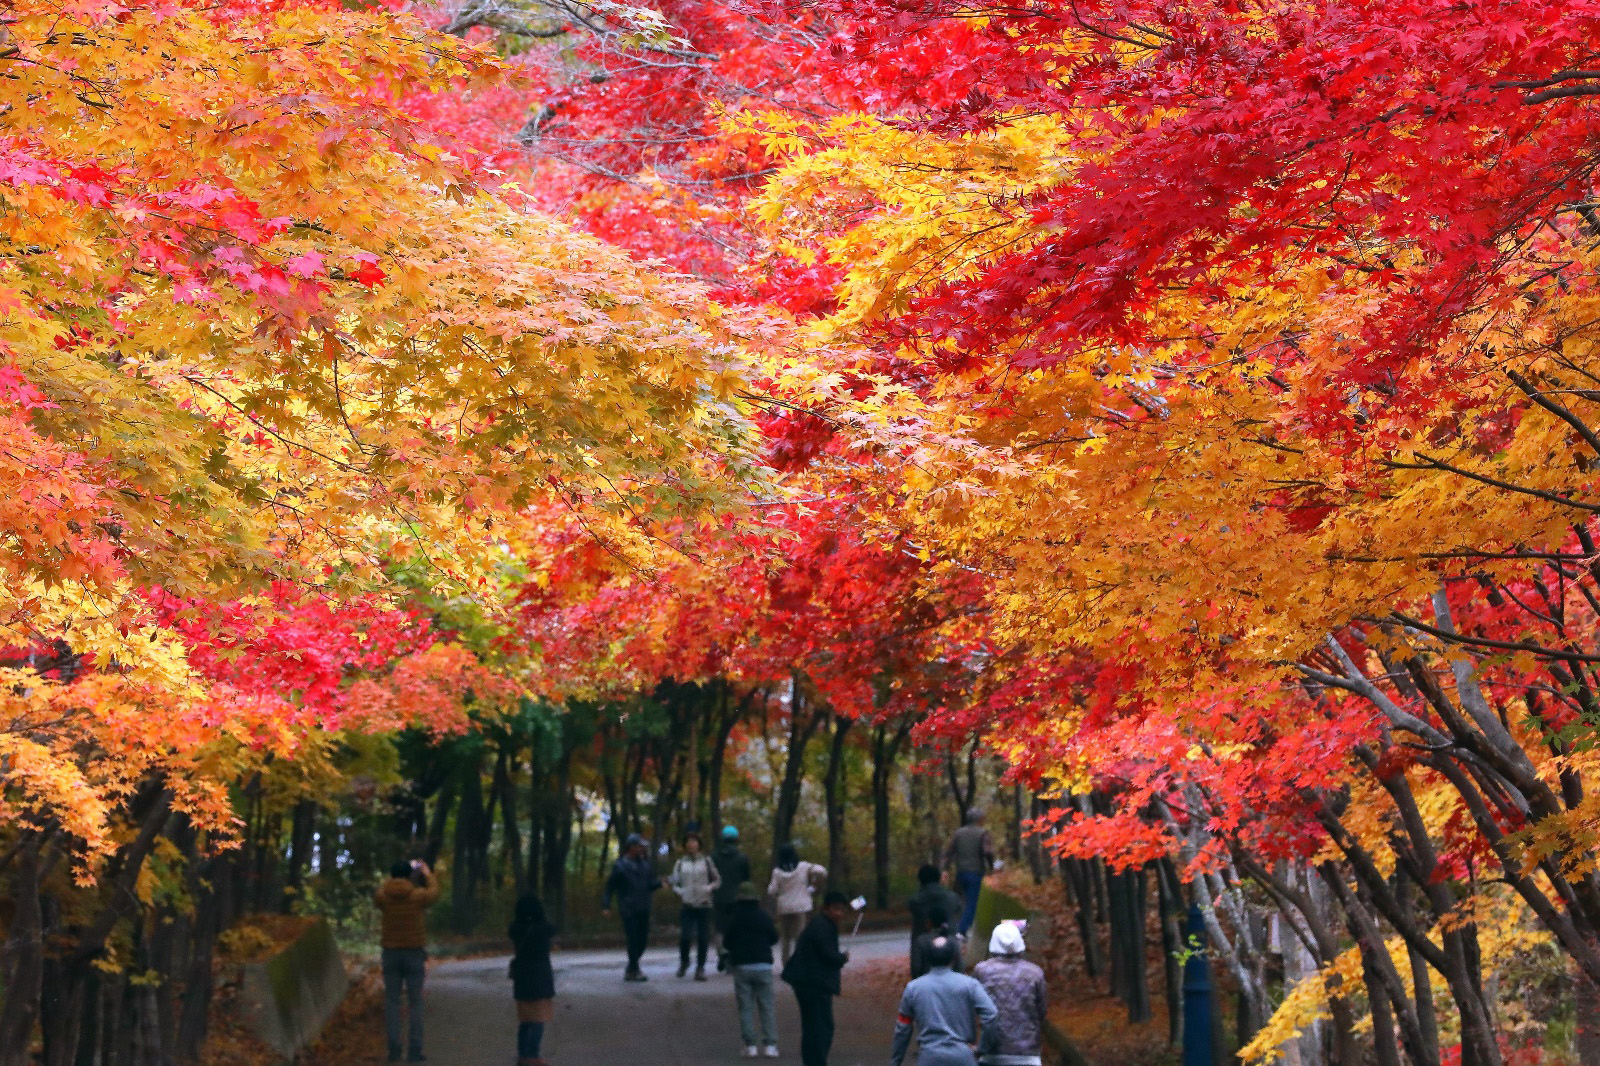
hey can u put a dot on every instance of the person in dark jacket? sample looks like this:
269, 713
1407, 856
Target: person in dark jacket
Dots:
971, 852
733, 867
932, 909
813, 972
533, 982
632, 881
749, 939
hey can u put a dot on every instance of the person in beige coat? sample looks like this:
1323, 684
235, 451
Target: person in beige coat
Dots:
793, 884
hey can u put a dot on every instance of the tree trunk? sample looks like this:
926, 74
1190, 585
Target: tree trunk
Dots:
1383, 1039
1014, 838
506, 785
833, 792
1077, 876
803, 725
1586, 1009
885, 749
1129, 978
441, 814
22, 959
464, 876
328, 840
558, 839
965, 799
195, 1006
301, 835
731, 713
1170, 900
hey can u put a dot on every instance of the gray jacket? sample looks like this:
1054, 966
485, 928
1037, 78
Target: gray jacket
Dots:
940, 1008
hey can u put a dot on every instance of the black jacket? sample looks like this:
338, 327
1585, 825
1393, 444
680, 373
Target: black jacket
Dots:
531, 974
927, 900
631, 882
733, 866
750, 934
817, 960
930, 902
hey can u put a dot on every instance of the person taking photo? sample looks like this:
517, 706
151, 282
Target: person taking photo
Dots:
403, 901
813, 972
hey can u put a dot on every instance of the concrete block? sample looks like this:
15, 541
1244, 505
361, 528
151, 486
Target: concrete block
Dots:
288, 998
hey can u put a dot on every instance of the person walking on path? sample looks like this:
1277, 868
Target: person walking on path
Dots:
403, 900
733, 867
533, 981
813, 972
631, 883
933, 908
791, 887
971, 852
1017, 988
945, 1010
749, 939
695, 879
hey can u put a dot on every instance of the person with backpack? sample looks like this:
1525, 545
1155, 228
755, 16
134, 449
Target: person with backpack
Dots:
733, 868
813, 972
533, 982
749, 939
695, 879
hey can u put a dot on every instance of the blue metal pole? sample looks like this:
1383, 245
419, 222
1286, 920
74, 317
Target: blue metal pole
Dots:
1197, 994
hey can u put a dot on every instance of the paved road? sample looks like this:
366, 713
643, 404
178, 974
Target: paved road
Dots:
602, 1021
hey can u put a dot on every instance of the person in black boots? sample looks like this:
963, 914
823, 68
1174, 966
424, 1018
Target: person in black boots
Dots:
733, 869
813, 972
533, 981
632, 881
696, 881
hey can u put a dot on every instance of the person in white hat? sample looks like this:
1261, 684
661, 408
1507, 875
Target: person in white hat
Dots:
1017, 988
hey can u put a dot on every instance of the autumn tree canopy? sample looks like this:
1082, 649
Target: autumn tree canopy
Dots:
1192, 405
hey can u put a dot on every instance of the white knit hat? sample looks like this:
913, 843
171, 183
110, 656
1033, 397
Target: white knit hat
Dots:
1006, 940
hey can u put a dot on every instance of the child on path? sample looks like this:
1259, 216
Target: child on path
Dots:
533, 982
748, 940
695, 879
792, 884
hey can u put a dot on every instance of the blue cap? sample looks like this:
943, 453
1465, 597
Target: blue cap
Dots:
730, 832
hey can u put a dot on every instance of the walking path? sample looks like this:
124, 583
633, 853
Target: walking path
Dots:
602, 1021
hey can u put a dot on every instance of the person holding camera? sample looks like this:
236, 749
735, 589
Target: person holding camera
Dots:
403, 900
813, 972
